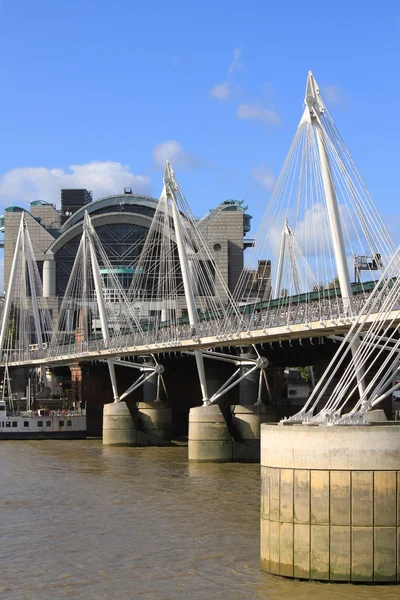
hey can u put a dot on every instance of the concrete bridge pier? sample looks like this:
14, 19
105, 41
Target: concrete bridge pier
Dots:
119, 427
248, 416
246, 428
154, 416
330, 502
210, 438
223, 433
154, 423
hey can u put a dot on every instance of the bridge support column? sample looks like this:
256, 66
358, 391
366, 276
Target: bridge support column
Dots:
154, 416
329, 502
154, 424
149, 387
250, 413
209, 437
246, 426
119, 428
248, 387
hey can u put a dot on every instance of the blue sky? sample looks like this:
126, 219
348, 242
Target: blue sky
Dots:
218, 86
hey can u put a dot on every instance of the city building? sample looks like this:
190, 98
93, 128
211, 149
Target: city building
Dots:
121, 222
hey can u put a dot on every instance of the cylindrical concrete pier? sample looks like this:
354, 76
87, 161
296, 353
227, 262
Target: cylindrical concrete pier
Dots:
118, 426
209, 436
330, 502
246, 422
155, 422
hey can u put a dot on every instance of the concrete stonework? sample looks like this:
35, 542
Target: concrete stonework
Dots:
218, 437
155, 420
118, 426
209, 437
246, 424
330, 502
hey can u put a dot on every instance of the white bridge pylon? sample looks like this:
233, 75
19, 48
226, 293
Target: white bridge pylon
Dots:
176, 274
174, 271
95, 309
375, 360
334, 226
291, 257
321, 203
26, 319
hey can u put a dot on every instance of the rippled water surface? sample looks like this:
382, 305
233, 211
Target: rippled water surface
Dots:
82, 521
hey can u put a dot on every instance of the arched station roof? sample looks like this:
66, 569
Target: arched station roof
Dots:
110, 204
108, 218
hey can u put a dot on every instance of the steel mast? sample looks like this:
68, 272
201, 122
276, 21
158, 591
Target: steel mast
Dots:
171, 188
313, 111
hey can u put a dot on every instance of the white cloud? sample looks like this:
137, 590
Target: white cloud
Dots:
255, 111
393, 224
315, 219
333, 94
264, 176
25, 184
176, 154
223, 91
313, 232
236, 64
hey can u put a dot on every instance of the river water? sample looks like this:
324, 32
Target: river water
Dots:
80, 521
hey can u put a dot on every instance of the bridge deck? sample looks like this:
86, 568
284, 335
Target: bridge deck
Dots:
250, 336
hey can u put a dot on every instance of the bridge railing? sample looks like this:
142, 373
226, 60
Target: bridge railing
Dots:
225, 328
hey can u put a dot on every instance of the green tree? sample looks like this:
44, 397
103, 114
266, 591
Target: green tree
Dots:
304, 373
334, 284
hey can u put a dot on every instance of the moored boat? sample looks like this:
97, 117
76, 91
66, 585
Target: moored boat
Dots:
41, 424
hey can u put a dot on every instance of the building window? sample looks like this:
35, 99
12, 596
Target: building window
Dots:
8, 424
48, 423
40, 423
217, 247
14, 424
69, 423
61, 423
122, 241
26, 423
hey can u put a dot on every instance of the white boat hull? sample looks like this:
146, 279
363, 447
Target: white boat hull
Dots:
27, 427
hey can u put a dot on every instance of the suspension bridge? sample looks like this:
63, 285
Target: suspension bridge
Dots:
320, 225
330, 478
